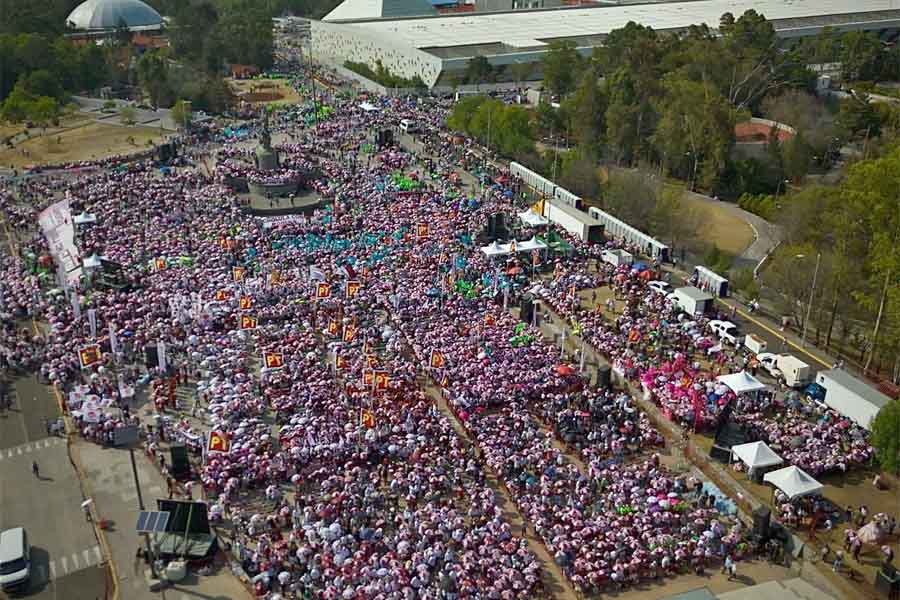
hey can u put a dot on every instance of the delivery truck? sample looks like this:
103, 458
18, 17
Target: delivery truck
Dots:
849, 396
617, 258
691, 300
793, 371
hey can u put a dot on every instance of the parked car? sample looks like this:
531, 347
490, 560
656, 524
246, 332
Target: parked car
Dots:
15, 559
660, 287
726, 331
769, 363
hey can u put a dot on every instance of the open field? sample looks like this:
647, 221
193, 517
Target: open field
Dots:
719, 225
264, 91
89, 141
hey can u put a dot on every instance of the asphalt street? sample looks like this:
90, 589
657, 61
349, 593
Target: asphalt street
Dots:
66, 558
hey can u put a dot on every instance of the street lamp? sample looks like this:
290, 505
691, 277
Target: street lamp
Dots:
812, 291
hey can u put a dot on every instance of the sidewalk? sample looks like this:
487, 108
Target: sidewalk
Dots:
111, 481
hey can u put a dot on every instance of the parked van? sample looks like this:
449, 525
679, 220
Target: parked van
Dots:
408, 126
15, 558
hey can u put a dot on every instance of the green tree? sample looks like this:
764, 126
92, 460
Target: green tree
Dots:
153, 75
128, 115
479, 70
561, 66
181, 113
695, 131
796, 158
886, 436
587, 107
858, 117
463, 112
19, 105
860, 54
44, 110
521, 71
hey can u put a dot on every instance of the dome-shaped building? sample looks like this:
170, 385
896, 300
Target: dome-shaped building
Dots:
110, 14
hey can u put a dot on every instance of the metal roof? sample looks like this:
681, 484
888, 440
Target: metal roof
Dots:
495, 27
109, 14
860, 388
351, 10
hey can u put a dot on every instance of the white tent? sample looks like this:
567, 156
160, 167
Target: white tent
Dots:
495, 249
368, 107
92, 262
741, 382
794, 482
530, 217
84, 218
532, 244
756, 455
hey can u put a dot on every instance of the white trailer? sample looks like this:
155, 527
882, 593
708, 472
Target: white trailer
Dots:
754, 343
691, 300
576, 222
851, 397
617, 258
796, 373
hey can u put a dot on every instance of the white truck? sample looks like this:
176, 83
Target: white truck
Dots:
617, 258
754, 343
791, 369
851, 397
691, 300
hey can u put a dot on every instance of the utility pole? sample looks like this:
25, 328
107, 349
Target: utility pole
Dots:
140, 498
811, 294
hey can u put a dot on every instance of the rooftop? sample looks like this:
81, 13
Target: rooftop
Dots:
535, 27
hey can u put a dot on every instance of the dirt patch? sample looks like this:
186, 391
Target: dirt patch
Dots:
90, 141
264, 91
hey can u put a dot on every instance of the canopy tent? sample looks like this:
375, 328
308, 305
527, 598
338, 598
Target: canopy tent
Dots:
368, 107
532, 244
556, 242
93, 261
84, 218
741, 383
794, 482
756, 455
495, 249
532, 218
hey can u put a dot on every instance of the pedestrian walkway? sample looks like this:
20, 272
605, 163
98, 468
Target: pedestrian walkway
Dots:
111, 481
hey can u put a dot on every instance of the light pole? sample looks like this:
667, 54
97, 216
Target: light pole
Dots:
812, 291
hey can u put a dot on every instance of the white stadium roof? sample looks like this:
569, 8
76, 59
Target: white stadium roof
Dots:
513, 28
109, 14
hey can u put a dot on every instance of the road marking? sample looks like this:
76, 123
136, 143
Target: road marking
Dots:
75, 560
28, 448
19, 449
65, 565
46, 443
52, 570
87, 557
99, 554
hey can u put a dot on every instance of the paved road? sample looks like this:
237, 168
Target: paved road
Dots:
65, 557
26, 421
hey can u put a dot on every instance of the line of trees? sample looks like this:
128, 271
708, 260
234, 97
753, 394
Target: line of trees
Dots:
672, 101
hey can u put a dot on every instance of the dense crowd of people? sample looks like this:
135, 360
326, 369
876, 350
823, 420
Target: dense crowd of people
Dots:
382, 307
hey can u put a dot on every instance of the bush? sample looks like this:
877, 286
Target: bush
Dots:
762, 205
382, 75
743, 281
718, 261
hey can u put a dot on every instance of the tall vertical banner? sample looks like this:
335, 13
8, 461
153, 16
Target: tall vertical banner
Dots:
113, 340
92, 322
59, 231
161, 354
76, 305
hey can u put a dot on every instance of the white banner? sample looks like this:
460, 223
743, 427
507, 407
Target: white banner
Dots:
92, 321
161, 353
76, 305
113, 340
57, 227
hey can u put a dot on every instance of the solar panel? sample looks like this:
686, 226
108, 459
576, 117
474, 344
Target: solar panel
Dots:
150, 521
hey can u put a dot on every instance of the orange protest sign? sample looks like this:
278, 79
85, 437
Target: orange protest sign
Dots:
371, 360
368, 377
246, 302
221, 295
323, 290
218, 442
274, 277
422, 230
349, 333
368, 419
161, 264
437, 360
489, 320
248, 322
333, 328
237, 273
273, 360
341, 363
381, 380
352, 288
445, 382
89, 355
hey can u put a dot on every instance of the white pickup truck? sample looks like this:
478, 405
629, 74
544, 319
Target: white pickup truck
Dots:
792, 370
